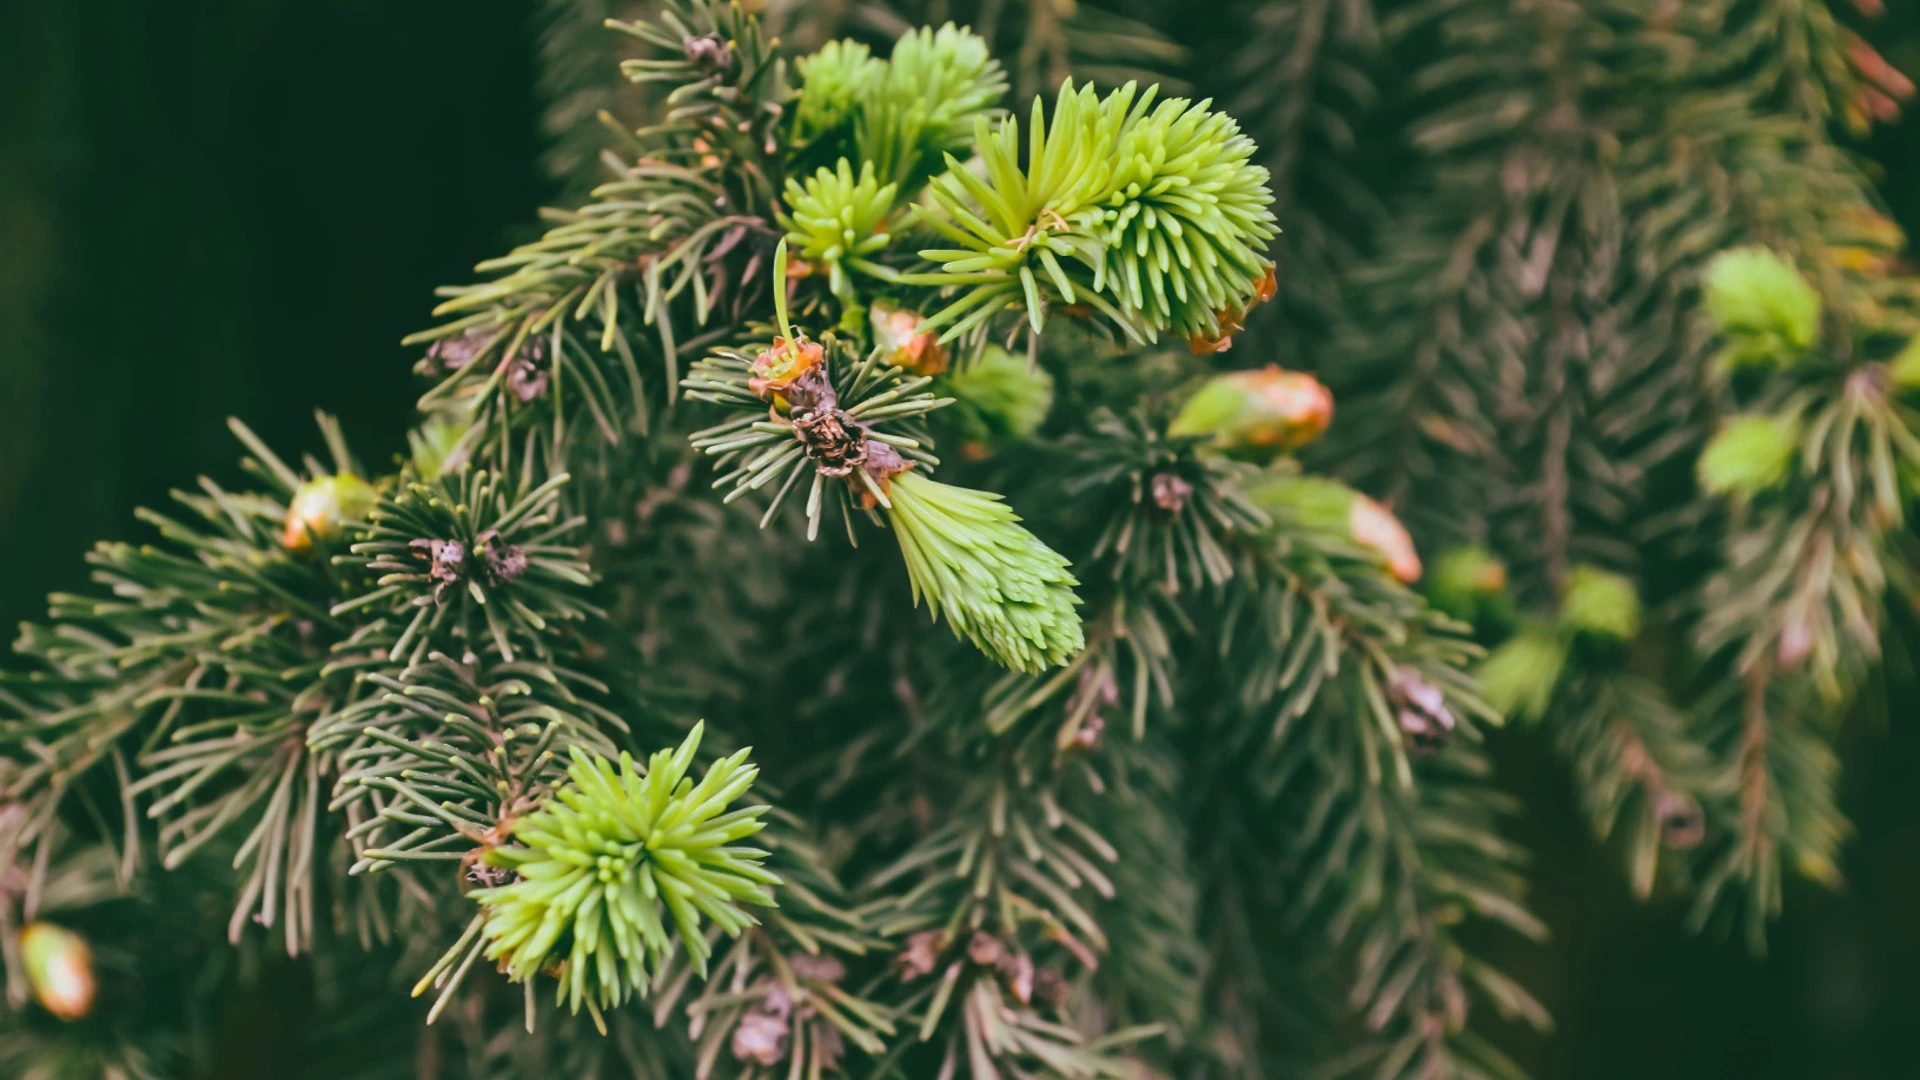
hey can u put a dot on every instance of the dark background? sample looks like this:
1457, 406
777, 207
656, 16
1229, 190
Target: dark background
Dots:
238, 208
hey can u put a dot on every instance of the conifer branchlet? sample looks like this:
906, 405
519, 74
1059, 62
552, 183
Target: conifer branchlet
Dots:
615, 857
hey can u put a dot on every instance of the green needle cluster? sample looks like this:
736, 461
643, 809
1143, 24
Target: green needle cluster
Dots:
615, 852
838, 79
836, 217
922, 105
1187, 217
1155, 216
997, 583
1749, 455
1019, 227
1760, 301
1000, 396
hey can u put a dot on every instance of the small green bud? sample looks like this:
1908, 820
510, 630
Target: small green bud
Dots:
1468, 583
1311, 501
1751, 290
323, 506
1600, 603
1257, 414
436, 448
1518, 678
1000, 395
833, 81
59, 969
1319, 503
1903, 371
1749, 455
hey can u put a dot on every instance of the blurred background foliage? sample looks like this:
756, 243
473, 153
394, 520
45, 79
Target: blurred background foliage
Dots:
238, 207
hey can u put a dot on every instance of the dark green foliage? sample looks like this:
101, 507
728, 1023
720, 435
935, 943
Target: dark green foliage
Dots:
1198, 784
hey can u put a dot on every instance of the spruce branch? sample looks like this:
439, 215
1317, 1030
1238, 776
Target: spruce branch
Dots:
1250, 700
997, 905
1803, 60
687, 219
1349, 681
197, 679
438, 756
1808, 558
1156, 959
965, 552
1172, 513
1563, 346
471, 561
1782, 807
785, 992
1642, 776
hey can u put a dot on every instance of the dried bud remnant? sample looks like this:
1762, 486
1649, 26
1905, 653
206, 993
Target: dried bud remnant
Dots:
1796, 639
1090, 731
884, 461
1682, 824
710, 52
1085, 723
834, 441
448, 560
986, 950
1421, 711
454, 353
488, 877
1170, 493
1051, 987
449, 563
761, 1038
505, 562
1019, 974
920, 956
826, 969
526, 381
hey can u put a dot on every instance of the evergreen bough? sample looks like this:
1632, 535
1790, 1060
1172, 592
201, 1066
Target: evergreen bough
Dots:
1197, 785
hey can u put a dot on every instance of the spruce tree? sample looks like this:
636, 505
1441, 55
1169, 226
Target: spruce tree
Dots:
959, 553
